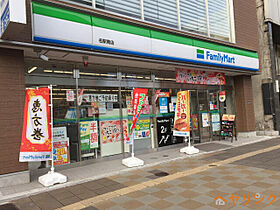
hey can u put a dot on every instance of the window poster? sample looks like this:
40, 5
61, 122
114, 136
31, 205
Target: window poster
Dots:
111, 131
89, 135
102, 108
215, 122
146, 106
163, 105
142, 129
128, 100
205, 120
195, 122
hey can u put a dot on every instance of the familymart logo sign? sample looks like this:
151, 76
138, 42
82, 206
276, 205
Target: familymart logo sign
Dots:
213, 56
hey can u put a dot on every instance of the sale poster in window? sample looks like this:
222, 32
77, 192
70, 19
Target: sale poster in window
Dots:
111, 131
89, 135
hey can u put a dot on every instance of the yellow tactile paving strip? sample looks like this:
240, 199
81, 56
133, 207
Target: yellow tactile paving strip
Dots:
95, 200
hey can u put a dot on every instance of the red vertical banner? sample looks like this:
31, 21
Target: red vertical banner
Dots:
36, 133
138, 100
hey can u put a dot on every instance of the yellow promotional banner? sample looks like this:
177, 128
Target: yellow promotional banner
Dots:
182, 115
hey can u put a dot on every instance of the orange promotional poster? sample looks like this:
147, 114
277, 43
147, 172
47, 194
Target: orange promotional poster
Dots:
36, 132
182, 115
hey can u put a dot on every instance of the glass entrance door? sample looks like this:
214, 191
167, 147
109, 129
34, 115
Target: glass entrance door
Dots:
204, 116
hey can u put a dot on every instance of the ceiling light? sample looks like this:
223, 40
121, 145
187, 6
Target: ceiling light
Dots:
32, 69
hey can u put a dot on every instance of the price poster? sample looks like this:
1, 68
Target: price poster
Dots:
60, 146
61, 152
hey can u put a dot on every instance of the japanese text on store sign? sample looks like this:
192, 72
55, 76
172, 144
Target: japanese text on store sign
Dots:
36, 111
100, 97
138, 108
37, 129
93, 134
181, 106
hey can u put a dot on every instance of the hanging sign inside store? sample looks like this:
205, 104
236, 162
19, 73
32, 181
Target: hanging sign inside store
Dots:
100, 98
80, 97
182, 115
70, 95
36, 133
163, 94
200, 77
111, 131
139, 96
222, 96
163, 105
88, 135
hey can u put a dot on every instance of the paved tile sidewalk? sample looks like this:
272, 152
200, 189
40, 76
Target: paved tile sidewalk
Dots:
72, 194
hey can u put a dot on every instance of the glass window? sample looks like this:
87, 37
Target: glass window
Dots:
161, 12
125, 7
218, 19
100, 122
143, 131
86, 2
193, 16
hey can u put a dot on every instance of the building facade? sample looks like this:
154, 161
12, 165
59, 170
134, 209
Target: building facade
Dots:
266, 86
94, 52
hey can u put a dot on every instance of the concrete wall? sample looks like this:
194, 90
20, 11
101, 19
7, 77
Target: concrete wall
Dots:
262, 122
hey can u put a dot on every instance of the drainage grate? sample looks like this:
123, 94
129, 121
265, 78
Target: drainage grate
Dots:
212, 165
165, 156
153, 158
160, 174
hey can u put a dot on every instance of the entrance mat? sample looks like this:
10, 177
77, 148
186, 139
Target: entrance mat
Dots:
212, 147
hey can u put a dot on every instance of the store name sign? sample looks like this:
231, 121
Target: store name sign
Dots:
12, 11
213, 56
100, 98
109, 36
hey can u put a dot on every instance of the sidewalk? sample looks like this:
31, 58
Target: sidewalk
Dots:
101, 169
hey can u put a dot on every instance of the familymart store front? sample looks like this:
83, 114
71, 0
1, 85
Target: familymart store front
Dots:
93, 79
93, 107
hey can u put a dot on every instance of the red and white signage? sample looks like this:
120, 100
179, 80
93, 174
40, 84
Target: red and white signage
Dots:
36, 133
139, 96
200, 77
70, 96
